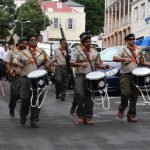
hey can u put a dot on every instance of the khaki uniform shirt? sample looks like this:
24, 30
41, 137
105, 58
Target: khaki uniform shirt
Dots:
125, 52
10, 57
78, 55
24, 58
59, 58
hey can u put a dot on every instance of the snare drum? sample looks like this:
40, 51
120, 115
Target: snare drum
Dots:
96, 80
141, 76
38, 79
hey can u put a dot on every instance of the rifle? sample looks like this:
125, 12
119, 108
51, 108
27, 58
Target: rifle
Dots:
67, 49
72, 81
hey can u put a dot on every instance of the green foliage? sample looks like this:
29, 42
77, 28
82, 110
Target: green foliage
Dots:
7, 9
30, 11
94, 15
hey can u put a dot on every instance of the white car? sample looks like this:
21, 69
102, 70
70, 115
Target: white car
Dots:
74, 44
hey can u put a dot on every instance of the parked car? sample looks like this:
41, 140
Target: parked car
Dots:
74, 44
99, 49
112, 73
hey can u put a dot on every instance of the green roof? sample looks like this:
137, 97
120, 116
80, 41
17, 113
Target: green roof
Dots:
72, 3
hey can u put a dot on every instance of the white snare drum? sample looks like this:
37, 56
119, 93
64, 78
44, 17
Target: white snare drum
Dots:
38, 79
141, 76
96, 80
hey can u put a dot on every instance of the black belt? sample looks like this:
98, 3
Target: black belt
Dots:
61, 66
126, 73
24, 76
81, 74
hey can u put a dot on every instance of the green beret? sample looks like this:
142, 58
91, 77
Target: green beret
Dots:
85, 35
22, 39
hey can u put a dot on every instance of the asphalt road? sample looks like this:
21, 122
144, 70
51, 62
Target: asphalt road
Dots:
59, 131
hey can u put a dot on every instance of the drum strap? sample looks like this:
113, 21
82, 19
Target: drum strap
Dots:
87, 59
133, 55
35, 59
14, 52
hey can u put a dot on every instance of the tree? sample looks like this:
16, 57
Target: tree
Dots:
30, 19
94, 14
7, 9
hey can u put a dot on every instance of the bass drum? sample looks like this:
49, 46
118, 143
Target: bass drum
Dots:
96, 80
141, 76
38, 79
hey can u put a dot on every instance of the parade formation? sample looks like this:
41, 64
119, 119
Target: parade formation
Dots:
40, 76
28, 68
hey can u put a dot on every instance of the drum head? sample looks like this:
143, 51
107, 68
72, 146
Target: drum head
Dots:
37, 73
141, 71
95, 75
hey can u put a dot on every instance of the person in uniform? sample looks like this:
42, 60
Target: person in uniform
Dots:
30, 60
85, 60
61, 70
130, 57
39, 38
14, 74
2, 66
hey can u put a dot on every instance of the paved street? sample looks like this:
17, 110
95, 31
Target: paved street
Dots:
59, 131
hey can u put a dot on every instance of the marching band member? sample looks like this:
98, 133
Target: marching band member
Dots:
84, 59
29, 60
14, 74
61, 69
129, 57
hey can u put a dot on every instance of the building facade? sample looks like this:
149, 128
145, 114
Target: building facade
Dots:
140, 24
117, 22
69, 15
123, 17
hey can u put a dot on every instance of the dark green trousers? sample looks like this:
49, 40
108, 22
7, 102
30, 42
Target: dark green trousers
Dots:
14, 92
129, 94
25, 94
61, 77
83, 98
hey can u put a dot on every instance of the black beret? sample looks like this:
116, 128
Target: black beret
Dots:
131, 35
39, 35
22, 39
31, 35
85, 35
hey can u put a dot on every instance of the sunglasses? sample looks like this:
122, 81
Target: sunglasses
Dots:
131, 39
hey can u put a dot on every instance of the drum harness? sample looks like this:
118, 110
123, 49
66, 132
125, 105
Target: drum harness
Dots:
39, 90
102, 99
137, 63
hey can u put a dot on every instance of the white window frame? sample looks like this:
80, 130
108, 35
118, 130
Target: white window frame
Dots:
56, 24
70, 25
142, 10
136, 13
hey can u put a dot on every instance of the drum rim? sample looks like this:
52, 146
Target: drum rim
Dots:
95, 72
37, 74
141, 74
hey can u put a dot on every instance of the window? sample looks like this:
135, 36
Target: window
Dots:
142, 10
70, 23
56, 23
136, 14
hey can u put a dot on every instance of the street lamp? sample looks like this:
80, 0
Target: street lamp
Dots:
22, 25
